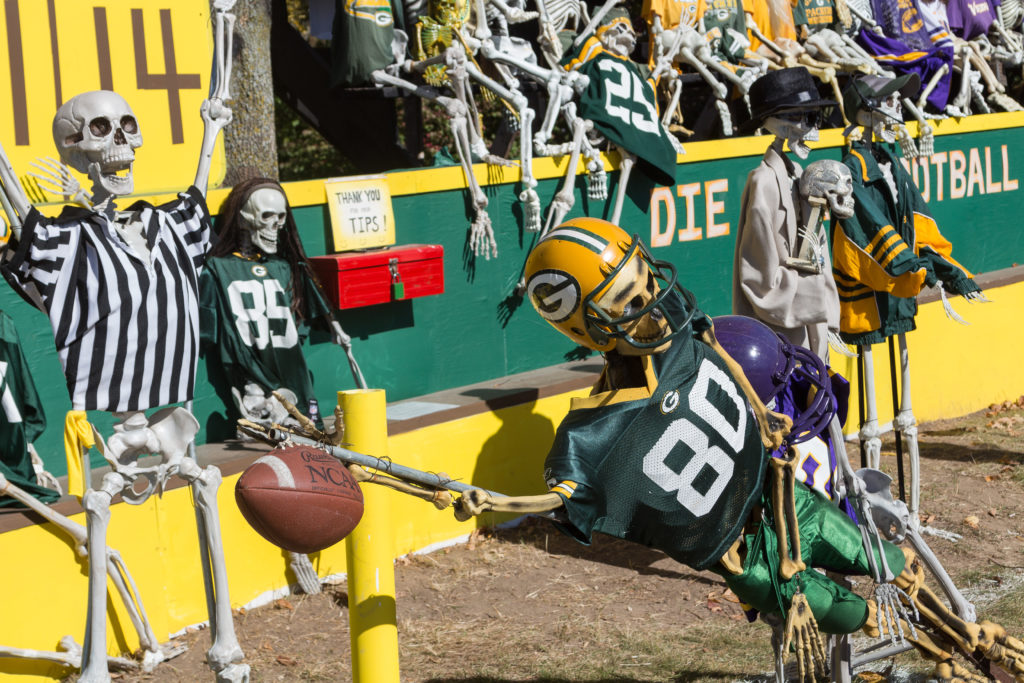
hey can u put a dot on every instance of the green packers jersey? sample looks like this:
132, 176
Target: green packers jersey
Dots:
21, 420
363, 31
815, 14
675, 466
246, 318
620, 101
725, 27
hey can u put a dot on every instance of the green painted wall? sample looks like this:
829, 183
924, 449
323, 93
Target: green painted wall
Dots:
477, 331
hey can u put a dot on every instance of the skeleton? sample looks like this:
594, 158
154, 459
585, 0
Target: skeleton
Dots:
446, 56
883, 122
557, 16
685, 42
97, 133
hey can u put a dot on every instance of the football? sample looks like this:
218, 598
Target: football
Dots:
300, 499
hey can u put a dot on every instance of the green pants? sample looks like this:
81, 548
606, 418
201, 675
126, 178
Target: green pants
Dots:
829, 540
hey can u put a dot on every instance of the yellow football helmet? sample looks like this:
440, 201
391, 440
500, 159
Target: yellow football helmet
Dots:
574, 266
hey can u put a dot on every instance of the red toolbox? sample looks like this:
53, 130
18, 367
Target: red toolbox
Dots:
379, 276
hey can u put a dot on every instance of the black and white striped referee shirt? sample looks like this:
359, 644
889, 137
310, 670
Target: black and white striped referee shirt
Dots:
126, 328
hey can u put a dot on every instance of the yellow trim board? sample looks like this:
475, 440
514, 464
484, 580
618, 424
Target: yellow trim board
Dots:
440, 179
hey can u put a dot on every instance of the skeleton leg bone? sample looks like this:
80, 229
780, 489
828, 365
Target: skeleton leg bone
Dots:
225, 654
97, 511
116, 569
905, 426
784, 514
869, 431
481, 237
625, 169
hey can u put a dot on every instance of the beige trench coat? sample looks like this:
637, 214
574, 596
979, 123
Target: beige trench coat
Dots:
800, 306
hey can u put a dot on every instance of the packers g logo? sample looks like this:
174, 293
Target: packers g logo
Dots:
554, 293
259, 271
670, 402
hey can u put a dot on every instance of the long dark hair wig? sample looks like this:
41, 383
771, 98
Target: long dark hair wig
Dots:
230, 230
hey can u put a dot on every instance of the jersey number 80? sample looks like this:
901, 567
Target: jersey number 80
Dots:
684, 431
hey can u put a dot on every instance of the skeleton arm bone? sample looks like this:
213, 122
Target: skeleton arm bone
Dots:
215, 115
595, 21
15, 202
773, 426
477, 501
765, 40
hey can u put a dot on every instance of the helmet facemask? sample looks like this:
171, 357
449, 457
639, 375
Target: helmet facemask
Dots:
628, 309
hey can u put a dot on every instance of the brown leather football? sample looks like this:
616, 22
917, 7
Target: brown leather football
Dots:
299, 498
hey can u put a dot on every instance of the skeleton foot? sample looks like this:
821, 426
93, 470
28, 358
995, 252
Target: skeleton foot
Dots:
726, 116
234, 673
1004, 102
481, 236
597, 185
309, 582
802, 633
531, 210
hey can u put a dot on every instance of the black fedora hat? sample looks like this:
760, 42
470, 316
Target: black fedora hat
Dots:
791, 89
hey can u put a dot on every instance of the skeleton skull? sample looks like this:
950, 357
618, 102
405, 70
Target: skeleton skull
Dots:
618, 37
796, 128
883, 115
97, 134
830, 180
263, 217
633, 289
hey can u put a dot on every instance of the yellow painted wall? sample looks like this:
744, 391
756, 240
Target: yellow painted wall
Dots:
956, 369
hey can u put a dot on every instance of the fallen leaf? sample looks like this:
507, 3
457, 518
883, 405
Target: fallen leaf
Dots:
991, 477
972, 521
926, 519
992, 512
870, 677
730, 596
286, 661
283, 604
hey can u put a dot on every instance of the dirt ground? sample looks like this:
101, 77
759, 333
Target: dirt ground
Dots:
529, 604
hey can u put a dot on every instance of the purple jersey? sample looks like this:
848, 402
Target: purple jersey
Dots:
901, 19
971, 18
901, 58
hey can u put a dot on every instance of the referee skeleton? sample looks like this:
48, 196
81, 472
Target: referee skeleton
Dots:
121, 292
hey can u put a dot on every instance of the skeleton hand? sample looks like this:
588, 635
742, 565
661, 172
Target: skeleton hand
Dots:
55, 177
338, 335
774, 429
308, 428
802, 633
472, 503
518, 15
890, 608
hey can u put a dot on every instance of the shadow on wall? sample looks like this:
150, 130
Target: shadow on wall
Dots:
521, 443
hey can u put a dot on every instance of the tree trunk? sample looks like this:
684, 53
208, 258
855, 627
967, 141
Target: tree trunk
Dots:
249, 141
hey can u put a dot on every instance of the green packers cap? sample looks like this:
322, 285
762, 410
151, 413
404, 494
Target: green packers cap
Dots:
875, 87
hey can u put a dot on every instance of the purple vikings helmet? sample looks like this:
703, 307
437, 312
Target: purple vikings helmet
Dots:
773, 365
